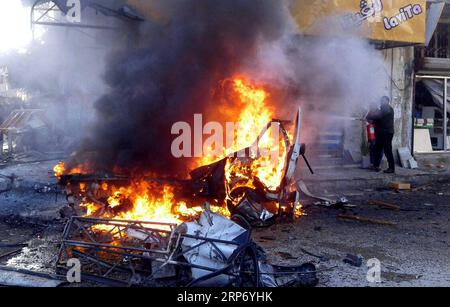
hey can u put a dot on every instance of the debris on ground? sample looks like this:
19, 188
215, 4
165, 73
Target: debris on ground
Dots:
268, 238
384, 205
283, 276
10, 253
321, 258
324, 201
354, 260
346, 217
422, 187
14, 277
287, 256
398, 186
406, 158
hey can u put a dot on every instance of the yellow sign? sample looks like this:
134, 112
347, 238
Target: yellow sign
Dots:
383, 20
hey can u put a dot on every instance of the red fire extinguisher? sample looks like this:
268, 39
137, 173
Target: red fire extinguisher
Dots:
371, 132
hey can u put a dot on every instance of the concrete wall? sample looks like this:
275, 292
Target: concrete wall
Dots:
400, 69
353, 137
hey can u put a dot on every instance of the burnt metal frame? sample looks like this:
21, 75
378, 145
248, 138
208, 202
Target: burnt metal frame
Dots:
168, 253
282, 190
278, 195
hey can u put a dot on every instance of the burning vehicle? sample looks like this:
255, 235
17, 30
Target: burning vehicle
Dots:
202, 223
243, 184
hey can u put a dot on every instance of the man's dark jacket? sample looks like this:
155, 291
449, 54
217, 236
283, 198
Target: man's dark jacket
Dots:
383, 120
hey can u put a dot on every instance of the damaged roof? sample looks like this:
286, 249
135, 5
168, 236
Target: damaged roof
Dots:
133, 9
21, 119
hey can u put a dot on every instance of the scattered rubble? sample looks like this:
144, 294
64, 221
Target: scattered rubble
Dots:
14, 277
406, 158
384, 205
346, 217
354, 260
400, 186
211, 251
324, 201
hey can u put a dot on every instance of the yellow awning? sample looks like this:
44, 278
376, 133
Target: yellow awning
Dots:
382, 20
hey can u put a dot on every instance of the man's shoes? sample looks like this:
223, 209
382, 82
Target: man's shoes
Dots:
375, 169
389, 171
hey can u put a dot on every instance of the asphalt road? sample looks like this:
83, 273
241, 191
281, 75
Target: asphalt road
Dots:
414, 251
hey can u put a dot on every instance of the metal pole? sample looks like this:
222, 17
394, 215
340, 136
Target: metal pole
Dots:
413, 113
431, 77
73, 25
445, 112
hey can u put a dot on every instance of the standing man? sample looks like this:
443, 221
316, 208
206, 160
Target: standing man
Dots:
384, 130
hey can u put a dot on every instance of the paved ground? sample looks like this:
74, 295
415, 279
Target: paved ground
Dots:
413, 252
328, 180
26, 197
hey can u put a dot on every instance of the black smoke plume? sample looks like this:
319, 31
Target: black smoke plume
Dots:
170, 75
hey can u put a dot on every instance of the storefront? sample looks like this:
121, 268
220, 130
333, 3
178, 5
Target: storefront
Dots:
431, 111
431, 114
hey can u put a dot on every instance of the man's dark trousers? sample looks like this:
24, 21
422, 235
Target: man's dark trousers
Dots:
375, 154
384, 143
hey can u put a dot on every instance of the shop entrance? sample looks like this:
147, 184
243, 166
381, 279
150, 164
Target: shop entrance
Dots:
431, 114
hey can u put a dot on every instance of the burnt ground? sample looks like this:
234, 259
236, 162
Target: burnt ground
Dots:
415, 251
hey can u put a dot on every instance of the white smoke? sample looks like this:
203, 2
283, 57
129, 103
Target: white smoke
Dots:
330, 75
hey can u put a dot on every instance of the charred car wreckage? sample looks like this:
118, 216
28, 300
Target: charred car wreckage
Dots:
213, 247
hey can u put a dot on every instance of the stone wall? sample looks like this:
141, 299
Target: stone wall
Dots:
400, 69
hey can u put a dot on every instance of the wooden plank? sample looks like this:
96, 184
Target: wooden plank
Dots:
8, 254
400, 186
365, 220
384, 205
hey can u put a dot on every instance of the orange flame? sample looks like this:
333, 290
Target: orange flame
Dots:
59, 169
147, 202
255, 114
